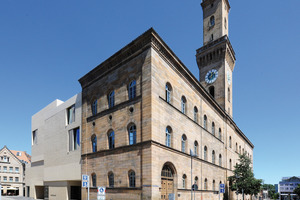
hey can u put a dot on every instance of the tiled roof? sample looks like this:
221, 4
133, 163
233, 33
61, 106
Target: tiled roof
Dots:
22, 156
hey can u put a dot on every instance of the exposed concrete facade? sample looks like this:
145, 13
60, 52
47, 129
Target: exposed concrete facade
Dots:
55, 171
12, 173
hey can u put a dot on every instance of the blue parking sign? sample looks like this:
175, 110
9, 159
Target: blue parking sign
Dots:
84, 184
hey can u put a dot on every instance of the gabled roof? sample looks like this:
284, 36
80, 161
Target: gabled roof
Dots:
22, 156
12, 154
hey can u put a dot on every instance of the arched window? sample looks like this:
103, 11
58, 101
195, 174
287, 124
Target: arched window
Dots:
205, 153
229, 94
240, 150
230, 164
111, 99
94, 143
211, 89
205, 122
220, 160
184, 181
183, 105
168, 92
196, 148
132, 134
225, 23
132, 89
94, 180
243, 150
195, 114
168, 136
111, 140
183, 143
94, 107
212, 21
214, 185
111, 179
230, 141
236, 147
213, 128
220, 134
131, 177
213, 157
205, 184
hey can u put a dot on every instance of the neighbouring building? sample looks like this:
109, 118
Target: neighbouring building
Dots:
143, 111
55, 171
287, 186
12, 171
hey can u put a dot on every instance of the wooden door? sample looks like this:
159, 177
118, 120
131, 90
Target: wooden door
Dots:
166, 188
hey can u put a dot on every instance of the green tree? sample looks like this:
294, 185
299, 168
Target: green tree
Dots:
297, 190
243, 179
270, 188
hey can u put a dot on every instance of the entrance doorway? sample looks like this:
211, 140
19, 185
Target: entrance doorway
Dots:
167, 182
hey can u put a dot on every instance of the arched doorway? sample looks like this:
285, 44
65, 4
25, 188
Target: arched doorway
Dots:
167, 181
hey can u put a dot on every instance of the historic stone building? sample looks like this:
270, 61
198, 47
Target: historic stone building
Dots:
12, 171
143, 111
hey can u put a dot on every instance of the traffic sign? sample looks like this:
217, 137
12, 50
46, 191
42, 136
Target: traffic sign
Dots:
101, 190
222, 190
85, 180
85, 177
222, 186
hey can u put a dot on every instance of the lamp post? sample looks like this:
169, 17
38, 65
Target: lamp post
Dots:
237, 189
192, 154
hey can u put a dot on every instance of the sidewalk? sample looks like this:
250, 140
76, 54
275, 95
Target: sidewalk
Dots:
15, 198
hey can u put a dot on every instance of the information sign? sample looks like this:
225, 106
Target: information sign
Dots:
85, 181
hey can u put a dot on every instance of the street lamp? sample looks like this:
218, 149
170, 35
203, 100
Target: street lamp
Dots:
237, 189
192, 155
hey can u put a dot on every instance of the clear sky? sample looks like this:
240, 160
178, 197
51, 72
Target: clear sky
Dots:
46, 46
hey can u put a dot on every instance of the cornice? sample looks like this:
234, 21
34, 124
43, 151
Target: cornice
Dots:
150, 39
208, 2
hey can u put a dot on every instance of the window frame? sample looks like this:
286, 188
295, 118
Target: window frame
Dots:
111, 139
132, 90
111, 99
132, 134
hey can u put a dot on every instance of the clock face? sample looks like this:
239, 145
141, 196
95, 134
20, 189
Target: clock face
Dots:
211, 76
228, 78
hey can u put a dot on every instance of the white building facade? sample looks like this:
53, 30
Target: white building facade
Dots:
55, 171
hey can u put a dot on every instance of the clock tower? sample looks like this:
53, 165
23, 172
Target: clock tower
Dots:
216, 59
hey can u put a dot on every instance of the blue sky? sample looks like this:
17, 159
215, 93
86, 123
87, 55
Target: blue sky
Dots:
46, 46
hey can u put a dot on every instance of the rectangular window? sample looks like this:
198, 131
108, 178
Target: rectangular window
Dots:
4, 169
0, 168
10, 169
4, 178
16, 179
17, 169
74, 139
71, 114
11, 179
34, 137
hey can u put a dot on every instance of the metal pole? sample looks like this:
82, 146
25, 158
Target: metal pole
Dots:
88, 188
191, 174
243, 192
219, 191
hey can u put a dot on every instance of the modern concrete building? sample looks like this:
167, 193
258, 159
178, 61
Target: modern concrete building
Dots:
55, 171
287, 186
12, 171
143, 111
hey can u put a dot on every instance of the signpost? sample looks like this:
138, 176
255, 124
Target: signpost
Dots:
101, 193
221, 189
85, 184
